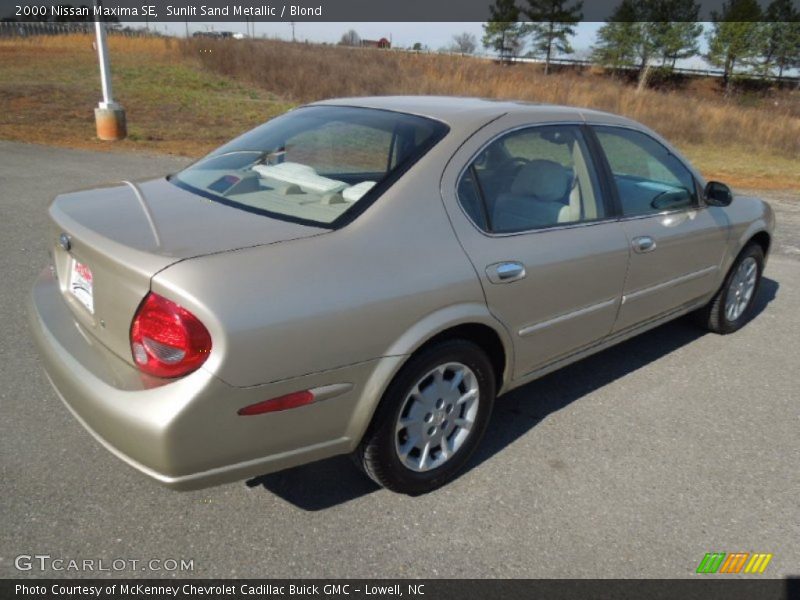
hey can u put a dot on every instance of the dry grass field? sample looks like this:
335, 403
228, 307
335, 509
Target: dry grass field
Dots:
49, 87
186, 97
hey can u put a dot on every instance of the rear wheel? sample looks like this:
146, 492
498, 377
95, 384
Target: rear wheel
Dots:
430, 420
730, 308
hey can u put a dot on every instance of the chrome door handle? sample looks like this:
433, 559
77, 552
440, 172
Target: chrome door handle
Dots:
643, 244
505, 272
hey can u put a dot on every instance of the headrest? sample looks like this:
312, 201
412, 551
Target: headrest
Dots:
546, 180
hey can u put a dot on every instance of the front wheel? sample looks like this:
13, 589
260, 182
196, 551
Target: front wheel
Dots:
430, 420
730, 308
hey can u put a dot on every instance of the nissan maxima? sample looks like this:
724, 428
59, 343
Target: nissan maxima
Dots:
365, 276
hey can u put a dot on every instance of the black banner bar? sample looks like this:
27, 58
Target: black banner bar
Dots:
154, 11
702, 588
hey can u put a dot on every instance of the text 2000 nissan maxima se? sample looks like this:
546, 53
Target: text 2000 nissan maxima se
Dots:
366, 275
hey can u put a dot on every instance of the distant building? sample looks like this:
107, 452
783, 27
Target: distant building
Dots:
381, 43
214, 34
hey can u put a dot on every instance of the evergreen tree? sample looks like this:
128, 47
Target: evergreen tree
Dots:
781, 49
643, 31
503, 32
676, 30
625, 40
736, 37
552, 25
615, 46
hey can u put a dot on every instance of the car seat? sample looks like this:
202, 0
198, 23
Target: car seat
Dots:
541, 194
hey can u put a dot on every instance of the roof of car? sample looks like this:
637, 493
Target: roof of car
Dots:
468, 114
455, 110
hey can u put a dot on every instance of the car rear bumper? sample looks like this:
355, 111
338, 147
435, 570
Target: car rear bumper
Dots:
186, 433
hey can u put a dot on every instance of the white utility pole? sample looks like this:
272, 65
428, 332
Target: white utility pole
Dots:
105, 65
109, 116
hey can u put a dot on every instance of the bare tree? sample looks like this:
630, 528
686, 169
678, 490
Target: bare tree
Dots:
465, 43
350, 38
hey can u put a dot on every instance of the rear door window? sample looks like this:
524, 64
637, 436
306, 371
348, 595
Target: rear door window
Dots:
531, 179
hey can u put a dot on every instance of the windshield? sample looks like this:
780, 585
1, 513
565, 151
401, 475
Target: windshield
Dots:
315, 164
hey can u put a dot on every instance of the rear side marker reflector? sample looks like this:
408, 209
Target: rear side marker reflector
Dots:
280, 403
296, 399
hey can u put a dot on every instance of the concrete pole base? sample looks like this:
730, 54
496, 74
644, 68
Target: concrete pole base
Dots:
110, 123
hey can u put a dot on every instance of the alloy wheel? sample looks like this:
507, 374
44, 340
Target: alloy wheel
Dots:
437, 417
741, 288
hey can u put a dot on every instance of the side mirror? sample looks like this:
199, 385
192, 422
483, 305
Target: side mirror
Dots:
718, 194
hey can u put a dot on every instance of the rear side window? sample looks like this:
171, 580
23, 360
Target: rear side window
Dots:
649, 178
532, 179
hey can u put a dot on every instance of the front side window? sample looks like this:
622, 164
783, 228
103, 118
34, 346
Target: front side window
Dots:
649, 178
532, 179
314, 164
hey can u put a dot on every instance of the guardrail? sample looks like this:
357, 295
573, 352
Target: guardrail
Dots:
710, 72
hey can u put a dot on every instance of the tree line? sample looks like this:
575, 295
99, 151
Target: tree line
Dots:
644, 33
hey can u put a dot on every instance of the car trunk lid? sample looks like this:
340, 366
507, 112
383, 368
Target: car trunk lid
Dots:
109, 242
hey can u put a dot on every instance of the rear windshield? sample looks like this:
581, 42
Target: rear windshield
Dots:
318, 165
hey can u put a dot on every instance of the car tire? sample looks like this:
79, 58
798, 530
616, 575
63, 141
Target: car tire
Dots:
428, 404
732, 305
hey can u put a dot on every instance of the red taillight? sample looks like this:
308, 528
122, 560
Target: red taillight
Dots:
288, 401
166, 339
